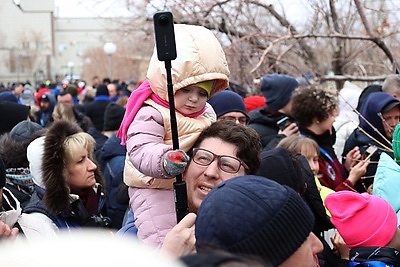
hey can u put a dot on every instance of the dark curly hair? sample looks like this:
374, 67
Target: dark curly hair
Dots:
313, 102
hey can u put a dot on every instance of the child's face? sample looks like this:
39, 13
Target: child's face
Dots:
190, 99
312, 158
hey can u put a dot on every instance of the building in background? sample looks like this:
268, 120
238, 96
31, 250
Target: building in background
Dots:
36, 45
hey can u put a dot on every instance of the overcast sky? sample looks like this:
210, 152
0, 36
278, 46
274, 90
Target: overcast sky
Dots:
91, 8
294, 9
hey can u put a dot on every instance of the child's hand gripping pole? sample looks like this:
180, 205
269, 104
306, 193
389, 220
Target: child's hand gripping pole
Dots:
175, 162
166, 51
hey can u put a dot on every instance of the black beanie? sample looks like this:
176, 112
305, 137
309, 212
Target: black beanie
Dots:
277, 89
227, 101
279, 165
253, 216
113, 116
102, 90
11, 114
2, 174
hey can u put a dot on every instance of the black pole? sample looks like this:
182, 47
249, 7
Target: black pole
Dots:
171, 100
166, 51
180, 193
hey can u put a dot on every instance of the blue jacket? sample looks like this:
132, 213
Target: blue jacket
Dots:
62, 220
113, 155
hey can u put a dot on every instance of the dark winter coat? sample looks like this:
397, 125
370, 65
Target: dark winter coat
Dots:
113, 154
373, 104
62, 220
265, 125
95, 111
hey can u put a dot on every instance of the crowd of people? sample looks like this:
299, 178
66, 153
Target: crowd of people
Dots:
299, 175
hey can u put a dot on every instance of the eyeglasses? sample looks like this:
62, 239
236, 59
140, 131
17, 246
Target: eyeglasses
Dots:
227, 164
242, 120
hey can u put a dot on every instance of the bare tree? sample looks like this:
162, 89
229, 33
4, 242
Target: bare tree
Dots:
355, 40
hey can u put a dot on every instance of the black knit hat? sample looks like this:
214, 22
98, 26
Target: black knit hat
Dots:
102, 90
12, 113
113, 116
277, 89
253, 216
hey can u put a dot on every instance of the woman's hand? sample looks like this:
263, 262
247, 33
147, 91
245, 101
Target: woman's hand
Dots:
352, 158
180, 241
340, 246
357, 171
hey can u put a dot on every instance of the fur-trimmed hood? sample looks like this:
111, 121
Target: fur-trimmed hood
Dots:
54, 170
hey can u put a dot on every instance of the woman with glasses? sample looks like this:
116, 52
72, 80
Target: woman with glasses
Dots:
224, 150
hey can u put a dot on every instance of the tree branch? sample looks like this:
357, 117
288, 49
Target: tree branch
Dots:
374, 38
352, 78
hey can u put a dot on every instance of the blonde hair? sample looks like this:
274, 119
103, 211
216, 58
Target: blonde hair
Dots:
63, 111
74, 142
295, 144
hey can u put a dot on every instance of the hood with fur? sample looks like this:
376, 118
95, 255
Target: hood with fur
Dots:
54, 170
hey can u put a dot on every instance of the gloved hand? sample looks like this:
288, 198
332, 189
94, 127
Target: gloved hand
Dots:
175, 161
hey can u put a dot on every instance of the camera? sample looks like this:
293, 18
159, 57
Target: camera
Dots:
284, 122
87, 220
96, 221
165, 36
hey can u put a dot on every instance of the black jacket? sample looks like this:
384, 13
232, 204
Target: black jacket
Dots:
266, 126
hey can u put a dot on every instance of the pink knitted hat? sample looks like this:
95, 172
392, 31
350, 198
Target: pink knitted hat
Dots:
363, 220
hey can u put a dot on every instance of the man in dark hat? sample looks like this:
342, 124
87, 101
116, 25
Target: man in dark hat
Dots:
229, 105
95, 110
277, 89
47, 102
277, 229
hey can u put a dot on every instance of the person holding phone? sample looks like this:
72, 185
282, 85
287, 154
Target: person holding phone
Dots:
379, 115
315, 109
199, 71
277, 89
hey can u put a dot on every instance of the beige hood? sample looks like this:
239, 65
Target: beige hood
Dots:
199, 58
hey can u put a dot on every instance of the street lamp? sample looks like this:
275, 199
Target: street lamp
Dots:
109, 49
71, 68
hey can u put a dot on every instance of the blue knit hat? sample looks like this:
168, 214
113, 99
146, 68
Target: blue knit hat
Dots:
253, 216
277, 89
8, 96
227, 101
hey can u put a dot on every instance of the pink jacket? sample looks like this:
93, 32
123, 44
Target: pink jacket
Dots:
148, 135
